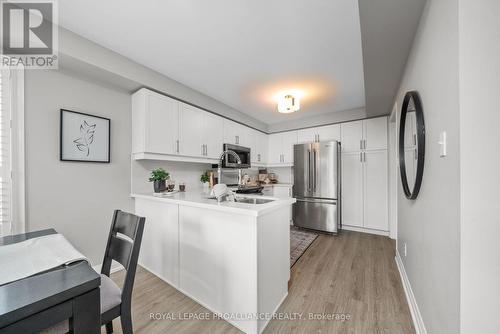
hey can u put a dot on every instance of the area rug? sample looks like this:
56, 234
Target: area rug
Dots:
300, 240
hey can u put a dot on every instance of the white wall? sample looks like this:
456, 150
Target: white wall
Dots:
75, 198
430, 225
480, 165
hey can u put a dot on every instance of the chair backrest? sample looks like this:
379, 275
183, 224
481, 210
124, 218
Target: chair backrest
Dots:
124, 243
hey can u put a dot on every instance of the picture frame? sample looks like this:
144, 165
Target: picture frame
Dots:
84, 137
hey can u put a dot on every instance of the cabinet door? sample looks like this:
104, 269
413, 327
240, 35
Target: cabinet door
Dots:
352, 189
190, 130
351, 136
275, 145
160, 241
375, 133
213, 135
162, 125
329, 132
282, 192
375, 199
258, 146
307, 135
289, 139
263, 147
230, 132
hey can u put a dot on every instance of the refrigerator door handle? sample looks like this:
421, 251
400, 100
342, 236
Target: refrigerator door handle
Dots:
314, 170
332, 202
309, 171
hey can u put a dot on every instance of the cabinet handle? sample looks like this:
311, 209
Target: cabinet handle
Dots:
364, 144
237, 139
202, 149
360, 156
177, 145
361, 144
258, 157
364, 156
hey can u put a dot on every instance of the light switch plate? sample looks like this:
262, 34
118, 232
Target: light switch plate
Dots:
442, 144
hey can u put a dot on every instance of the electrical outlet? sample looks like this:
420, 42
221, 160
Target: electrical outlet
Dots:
404, 249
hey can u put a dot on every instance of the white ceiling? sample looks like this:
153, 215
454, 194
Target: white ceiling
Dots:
239, 52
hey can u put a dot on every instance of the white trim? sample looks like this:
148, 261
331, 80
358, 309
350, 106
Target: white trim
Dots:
364, 230
169, 157
418, 322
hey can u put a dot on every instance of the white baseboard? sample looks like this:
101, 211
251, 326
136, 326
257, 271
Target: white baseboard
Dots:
364, 230
115, 266
418, 322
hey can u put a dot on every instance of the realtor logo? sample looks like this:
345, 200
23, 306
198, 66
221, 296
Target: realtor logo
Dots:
28, 34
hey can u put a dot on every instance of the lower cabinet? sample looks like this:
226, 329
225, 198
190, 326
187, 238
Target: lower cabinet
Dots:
364, 190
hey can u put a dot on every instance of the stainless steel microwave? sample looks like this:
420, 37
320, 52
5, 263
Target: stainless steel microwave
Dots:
230, 161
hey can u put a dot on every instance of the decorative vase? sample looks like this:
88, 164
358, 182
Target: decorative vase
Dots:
159, 186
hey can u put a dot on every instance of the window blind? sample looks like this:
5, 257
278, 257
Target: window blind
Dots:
5, 154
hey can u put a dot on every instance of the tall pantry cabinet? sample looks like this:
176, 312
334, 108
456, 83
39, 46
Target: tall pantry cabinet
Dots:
364, 174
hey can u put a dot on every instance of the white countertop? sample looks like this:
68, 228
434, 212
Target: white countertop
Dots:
198, 198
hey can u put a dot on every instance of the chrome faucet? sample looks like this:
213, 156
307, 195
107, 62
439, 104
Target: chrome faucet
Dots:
219, 166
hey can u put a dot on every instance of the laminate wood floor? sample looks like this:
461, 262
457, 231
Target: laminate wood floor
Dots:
352, 274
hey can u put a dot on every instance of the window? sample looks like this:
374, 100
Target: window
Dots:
11, 152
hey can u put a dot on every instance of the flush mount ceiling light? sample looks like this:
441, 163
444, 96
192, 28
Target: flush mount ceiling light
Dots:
288, 103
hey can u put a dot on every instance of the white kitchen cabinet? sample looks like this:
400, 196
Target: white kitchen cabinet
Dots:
375, 190
160, 241
281, 148
375, 133
200, 132
213, 136
155, 120
365, 190
352, 189
190, 131
235, 133
259, 147
320, 133
369, 134
275, 148
352, 136
289, 140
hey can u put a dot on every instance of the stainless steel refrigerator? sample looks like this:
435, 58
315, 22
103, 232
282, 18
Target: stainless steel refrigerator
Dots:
317, 186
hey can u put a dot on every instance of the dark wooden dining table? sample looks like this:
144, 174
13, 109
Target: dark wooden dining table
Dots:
38, 302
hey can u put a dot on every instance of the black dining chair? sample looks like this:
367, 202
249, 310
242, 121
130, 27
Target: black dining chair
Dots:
123, 246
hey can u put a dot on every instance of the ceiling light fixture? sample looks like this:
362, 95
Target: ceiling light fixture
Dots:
288, 104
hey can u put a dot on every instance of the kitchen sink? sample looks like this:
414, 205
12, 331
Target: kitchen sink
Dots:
251, 200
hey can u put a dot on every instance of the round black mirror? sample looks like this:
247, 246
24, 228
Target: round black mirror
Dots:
411, 144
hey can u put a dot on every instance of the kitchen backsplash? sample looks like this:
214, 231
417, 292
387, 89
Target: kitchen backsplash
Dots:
190, 173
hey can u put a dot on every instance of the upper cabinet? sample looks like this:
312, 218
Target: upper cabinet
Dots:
281, 148
320, 133
369, 134
155, 120
375, 133
165, 128
259, 146
190, 131
177, 130
236, 134
213, 135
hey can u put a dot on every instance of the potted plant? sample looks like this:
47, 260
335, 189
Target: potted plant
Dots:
204, 180
159, 177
